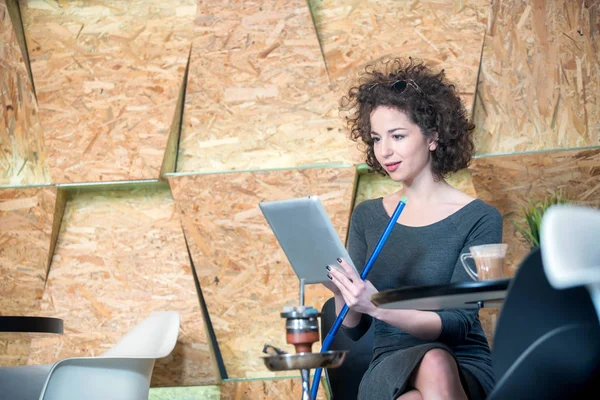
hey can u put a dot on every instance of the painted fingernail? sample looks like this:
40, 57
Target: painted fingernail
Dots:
330, 277
339, 260
328, 268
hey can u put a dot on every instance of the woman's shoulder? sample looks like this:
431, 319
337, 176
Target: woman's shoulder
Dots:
486, 209
367, 208
476, 214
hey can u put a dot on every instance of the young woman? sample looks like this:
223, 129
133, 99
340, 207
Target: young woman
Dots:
416, 130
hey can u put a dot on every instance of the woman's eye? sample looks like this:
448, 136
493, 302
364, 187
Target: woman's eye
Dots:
397, 137
375, 139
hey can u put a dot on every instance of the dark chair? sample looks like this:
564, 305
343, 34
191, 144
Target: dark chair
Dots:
344, 380
547, 341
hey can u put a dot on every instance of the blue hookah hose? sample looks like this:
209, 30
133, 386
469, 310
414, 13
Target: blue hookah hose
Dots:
340, 318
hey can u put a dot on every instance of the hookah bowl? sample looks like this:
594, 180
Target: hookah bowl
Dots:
302, 330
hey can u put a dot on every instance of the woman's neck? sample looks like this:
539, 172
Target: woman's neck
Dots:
425, 188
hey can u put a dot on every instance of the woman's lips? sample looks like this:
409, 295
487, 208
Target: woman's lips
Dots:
392, 167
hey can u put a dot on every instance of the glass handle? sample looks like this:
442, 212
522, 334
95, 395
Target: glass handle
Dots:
463, 259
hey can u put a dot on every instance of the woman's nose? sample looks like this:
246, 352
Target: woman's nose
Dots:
386, 149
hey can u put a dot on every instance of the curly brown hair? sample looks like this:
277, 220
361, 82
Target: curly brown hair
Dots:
437, 109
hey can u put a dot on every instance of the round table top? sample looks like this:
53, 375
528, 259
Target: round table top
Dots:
437, 297
31, 324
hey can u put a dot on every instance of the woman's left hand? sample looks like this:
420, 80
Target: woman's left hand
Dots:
356, 292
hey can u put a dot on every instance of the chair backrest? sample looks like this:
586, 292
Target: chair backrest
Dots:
99, 378
532, 341
123, 372
154, 337
345, 379
569, 239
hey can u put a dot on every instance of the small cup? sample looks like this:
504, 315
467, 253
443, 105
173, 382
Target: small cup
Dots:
489, 261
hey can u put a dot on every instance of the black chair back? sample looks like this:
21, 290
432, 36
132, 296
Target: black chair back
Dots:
345, 379
547, 341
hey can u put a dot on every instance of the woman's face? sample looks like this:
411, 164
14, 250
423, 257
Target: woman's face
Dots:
400, 146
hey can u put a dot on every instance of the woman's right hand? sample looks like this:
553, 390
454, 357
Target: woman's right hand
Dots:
329, 285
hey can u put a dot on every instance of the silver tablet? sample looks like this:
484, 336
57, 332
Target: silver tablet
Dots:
306, 235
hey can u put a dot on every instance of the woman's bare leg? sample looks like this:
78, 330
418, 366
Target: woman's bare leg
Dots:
437, 377
411, 395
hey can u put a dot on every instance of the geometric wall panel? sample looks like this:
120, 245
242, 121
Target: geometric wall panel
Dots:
258, 95
539, 81
22, 150
185, 393
231, 389
120, 256
245, 277
26, 217
510, 182
446, 34
107, 77
281, 389
372, 185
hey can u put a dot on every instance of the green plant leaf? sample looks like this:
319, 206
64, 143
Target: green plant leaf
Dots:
533, 214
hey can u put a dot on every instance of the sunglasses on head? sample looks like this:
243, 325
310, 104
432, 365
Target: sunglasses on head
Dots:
400, 86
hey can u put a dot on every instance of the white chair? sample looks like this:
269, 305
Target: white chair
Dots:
121, 373
570, 246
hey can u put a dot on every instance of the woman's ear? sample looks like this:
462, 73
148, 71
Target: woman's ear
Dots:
433, 142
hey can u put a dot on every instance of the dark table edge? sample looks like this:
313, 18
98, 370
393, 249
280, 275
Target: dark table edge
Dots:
418, 292
31, 324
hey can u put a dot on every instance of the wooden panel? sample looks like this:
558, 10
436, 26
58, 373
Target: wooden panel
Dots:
489, 319
539, 80
509, 182
15, 15
259, 389
258, 94
186, 393
22, 150
25, 234
372, 185
120, 256
245, 277
446, 34
169, 163
281, 389
107, 77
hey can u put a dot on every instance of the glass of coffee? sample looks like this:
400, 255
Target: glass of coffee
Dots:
489, 261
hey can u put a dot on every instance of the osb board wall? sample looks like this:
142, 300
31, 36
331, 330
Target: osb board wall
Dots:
245, 277
258, 95
185, 393
445, 34
259, 389
120, 256
539, 80
510, 182
284, 389
22, 150
107, 76
25, 233
372, 185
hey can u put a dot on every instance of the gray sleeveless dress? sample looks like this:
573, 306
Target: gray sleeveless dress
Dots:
414, 256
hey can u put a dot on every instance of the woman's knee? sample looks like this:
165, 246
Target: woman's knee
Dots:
438, 376
439, 364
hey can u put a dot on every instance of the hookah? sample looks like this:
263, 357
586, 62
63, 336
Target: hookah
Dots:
302, 330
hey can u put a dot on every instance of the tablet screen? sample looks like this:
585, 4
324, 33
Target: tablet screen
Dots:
306, 235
